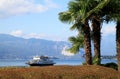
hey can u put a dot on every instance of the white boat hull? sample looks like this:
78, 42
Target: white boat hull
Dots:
36, 64
40, 61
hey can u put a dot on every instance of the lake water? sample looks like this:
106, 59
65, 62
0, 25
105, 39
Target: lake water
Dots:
5, 62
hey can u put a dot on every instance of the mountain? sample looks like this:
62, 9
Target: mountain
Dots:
12, 47
16, 47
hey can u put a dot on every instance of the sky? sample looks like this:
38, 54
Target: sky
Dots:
39, 19
34, 18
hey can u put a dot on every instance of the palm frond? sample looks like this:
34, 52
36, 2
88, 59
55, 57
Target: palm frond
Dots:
97, 9
77, 43
74, 49
73, 6
65, 17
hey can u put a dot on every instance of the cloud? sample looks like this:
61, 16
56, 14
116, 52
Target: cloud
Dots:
65, 52
42, 36
17, 33
35, 35
108, 30
20, 33
17, 7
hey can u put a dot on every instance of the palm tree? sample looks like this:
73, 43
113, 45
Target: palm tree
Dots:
108, 10
92, 11
88, 9
113, 14
96, 35
84, 10
97, 16
87, 42
76, 11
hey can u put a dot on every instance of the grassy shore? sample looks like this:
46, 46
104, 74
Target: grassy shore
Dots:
59, 72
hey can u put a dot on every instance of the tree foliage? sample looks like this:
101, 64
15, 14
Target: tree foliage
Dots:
77, 43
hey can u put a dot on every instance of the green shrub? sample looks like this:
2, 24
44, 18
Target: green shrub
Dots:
111, 65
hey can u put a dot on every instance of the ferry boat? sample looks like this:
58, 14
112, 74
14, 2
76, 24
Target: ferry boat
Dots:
41, 61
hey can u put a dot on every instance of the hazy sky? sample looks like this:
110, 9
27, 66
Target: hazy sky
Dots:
34, 18
39, 19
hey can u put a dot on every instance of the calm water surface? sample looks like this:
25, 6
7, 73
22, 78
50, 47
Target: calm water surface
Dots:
5, 62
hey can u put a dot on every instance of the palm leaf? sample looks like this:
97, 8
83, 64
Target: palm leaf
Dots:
77, 43
97, 9
65, 17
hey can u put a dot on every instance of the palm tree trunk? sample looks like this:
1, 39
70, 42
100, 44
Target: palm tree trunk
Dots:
118, 43
96, 29
87, 43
